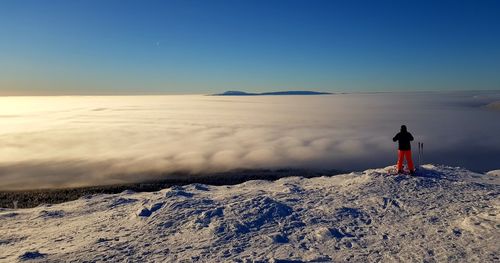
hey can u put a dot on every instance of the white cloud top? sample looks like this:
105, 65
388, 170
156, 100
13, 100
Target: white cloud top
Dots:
76, 141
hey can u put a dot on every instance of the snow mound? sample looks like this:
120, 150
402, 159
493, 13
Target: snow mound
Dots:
442, 214
259, 210
177, 191
146, 212
494, 173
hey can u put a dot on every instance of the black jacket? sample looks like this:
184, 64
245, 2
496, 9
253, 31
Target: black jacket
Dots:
404, 138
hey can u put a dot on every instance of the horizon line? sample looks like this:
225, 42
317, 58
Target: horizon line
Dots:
197, 93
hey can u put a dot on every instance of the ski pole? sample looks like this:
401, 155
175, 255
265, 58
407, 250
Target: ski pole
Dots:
422, 152
418, 155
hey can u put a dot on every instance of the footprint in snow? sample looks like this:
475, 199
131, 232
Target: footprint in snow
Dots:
146, 212
29, 255
197, 187
51, 214
122, 201
177, 192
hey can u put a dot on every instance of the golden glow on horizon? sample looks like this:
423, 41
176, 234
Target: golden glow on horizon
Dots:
87, 140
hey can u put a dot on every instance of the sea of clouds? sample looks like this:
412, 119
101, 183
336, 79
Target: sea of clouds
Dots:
85, 140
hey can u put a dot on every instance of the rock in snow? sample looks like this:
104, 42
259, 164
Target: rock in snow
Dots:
445, 214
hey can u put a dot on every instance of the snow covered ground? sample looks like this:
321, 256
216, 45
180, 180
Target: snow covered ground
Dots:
444, 214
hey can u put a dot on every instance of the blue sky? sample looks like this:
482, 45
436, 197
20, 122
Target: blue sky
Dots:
148, 47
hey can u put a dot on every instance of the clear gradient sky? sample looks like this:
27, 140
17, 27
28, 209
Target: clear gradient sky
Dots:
148, 47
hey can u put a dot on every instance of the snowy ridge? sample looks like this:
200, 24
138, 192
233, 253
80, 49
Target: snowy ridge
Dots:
494, 173
443, 214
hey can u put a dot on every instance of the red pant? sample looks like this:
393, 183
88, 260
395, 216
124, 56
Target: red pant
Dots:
407, 155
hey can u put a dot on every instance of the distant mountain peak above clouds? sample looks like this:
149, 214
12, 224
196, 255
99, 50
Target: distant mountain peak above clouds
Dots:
291, 92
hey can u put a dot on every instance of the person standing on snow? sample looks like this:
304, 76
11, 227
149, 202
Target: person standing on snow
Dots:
404, 150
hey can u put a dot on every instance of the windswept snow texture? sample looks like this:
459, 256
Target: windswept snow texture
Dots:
443, 215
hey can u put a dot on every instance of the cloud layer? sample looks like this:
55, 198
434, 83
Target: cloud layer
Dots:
78, 141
